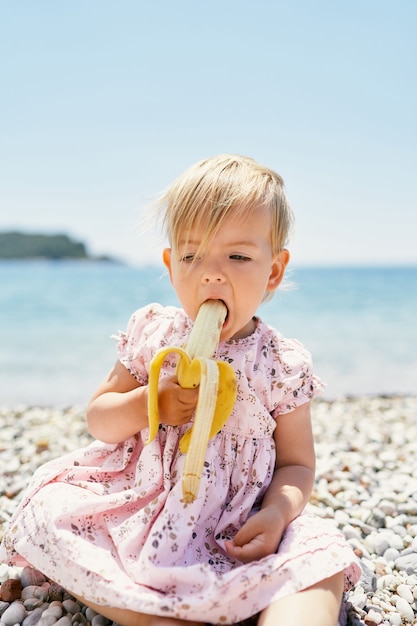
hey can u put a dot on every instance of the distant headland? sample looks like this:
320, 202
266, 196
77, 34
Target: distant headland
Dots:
18, 245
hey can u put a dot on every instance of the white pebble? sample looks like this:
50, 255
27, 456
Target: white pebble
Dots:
386, 606
4, 572
376, 543
387, 507
375, 616
391, 554
404, 609
395, 619
342, 518
385, 581
399, 530
395, 541
350, 532
358, 600
411, 581
412, 530
404, 591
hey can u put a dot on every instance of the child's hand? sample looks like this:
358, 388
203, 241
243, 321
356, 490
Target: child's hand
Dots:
258, 537
176, 404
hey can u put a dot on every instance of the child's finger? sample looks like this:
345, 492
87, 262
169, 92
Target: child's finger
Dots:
246, 553
249, 531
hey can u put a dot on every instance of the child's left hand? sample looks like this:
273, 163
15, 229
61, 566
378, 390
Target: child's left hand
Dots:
258, 537
288, 492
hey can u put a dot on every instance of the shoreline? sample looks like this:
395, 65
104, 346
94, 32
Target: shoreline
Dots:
22, 406
366, 481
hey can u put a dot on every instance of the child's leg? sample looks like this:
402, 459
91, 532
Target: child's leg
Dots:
124, 617
316, 606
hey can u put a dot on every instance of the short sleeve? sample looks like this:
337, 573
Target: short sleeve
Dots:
149, 329
297, 384
129, 345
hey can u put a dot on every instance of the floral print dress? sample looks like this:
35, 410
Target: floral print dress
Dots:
108, 522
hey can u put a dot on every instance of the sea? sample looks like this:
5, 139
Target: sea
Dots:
57, 319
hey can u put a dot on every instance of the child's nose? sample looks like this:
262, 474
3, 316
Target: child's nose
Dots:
213, 274
213, 279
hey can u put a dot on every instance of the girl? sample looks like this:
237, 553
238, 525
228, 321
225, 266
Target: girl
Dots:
109, 523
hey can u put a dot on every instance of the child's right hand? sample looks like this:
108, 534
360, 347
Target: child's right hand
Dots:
119, 407
176, 404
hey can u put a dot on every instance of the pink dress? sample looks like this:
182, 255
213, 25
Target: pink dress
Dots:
108, 521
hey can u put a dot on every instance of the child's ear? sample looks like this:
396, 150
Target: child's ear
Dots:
279, 264
166, 257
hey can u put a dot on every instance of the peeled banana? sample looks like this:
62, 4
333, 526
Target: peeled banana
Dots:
217, 390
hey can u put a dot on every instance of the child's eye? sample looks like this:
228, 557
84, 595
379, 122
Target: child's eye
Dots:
239, 257
188, 258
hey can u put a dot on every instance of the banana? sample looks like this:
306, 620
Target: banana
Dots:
205, 334
217, 390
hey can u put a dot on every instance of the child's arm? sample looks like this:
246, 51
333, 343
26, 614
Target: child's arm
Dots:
119, 407
288, 492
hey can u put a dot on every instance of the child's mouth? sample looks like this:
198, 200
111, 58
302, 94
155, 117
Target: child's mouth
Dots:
227, 309
227, 312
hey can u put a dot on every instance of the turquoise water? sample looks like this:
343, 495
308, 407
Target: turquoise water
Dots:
56, 319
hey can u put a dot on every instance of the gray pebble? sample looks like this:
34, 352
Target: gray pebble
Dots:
376, 518
32, 591
56, 592
368, 579
47, 619
33, 617
3, 607
54, 611
72, 607
406, 562
79, 618
64, 621
31, 576
89, 613
32, 603
14, 614
100, 620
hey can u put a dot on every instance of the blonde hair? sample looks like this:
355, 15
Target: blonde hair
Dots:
206, 193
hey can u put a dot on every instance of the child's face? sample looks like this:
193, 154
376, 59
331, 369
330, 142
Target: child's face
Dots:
238, 267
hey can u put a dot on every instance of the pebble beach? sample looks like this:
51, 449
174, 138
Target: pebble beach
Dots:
366, 481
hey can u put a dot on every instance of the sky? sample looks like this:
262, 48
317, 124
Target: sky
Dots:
104, 103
